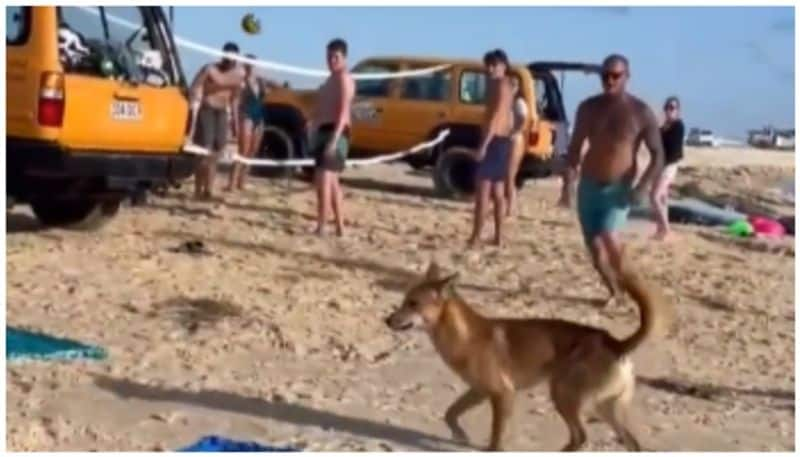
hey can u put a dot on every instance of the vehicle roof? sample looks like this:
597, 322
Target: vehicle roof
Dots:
434, 60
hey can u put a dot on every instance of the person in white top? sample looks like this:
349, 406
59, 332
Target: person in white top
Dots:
520, 116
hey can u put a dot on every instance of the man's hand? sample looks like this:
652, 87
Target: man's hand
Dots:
480, 153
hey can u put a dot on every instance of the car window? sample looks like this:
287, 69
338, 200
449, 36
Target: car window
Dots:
374, 87
432, 87
472, 88
17, 24
132, 52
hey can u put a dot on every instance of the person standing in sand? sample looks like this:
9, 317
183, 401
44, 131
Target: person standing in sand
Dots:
495, 147
615, 123
214, 91
519, 114
330, 137
672, 132
252, 115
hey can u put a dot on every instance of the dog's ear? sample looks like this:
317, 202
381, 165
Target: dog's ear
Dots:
433, 272
445, 283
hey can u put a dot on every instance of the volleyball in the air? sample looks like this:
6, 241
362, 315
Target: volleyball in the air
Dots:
250, 24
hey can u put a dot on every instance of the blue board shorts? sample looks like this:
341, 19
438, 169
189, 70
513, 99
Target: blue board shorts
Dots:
494, 166
602, 207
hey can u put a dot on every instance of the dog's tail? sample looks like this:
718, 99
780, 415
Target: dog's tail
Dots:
654, 312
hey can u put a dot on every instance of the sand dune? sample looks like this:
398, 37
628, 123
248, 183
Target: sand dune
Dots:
278, 337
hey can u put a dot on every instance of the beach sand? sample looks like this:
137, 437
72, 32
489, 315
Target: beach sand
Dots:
278, 337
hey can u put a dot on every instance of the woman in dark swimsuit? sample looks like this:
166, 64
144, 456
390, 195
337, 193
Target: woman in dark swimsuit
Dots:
672, 132
251, 124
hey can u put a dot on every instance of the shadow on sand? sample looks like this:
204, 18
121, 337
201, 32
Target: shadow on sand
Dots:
713, 392
280, 411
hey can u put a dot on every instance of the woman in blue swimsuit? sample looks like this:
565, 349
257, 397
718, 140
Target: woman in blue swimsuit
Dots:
251, 123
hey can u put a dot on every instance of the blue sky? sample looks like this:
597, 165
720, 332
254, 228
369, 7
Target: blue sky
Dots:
733, 67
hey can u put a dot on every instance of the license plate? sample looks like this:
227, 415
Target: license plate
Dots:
126, 110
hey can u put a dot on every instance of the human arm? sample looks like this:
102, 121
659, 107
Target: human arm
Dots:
196, 88
651, 135
344, 89
579, 135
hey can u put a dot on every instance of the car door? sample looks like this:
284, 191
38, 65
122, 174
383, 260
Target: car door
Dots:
423, 103
372, 130
126, 95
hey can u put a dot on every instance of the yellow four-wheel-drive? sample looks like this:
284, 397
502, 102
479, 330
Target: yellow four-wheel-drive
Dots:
96, 109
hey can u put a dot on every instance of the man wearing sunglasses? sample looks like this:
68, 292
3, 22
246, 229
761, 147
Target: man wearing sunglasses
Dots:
615, 123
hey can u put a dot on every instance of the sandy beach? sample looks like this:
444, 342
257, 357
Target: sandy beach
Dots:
278, 337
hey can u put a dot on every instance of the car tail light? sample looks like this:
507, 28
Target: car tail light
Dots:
51, 100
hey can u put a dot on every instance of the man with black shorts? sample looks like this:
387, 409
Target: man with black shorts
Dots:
330, 137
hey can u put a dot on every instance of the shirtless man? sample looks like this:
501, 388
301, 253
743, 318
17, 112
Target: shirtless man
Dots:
615, 123
214, 91
330, 137
495, 148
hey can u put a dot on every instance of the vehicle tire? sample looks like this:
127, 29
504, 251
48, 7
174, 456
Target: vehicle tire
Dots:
454, 173
276, 144
78, 214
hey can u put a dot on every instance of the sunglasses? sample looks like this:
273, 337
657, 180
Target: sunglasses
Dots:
612, 75
670, 108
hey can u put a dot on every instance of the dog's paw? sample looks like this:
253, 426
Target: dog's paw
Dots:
458, 434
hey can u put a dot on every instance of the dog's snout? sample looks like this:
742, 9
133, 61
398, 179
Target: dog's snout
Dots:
388, 320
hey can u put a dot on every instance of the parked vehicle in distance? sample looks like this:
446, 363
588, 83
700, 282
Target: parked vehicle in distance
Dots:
702, 137
771, 138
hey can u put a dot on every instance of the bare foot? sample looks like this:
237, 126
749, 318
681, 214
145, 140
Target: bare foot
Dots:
564, 203
662, 235
339, 231
318, 231
228, 188
473, 242
497, 241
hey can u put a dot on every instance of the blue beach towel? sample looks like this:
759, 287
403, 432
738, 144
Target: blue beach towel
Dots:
26, 345
219, 444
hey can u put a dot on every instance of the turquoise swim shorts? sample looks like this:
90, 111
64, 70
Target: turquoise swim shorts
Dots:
602, 208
